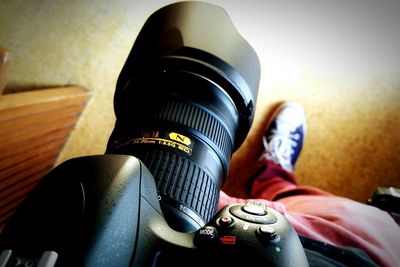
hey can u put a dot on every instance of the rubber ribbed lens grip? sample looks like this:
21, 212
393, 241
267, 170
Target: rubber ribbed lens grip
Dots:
184, 181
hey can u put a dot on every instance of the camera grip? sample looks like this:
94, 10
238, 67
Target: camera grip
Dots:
248, 234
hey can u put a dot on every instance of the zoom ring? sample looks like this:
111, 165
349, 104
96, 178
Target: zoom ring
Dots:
184, 181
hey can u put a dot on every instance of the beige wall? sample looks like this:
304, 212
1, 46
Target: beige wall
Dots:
56, 43
340, 59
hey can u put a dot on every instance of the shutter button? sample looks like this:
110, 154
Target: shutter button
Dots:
255, 208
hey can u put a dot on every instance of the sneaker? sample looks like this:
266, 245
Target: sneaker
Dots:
285, 134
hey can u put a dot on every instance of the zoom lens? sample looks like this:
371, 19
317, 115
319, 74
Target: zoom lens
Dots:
183, 106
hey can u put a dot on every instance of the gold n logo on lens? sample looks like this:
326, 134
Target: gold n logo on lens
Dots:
180, 138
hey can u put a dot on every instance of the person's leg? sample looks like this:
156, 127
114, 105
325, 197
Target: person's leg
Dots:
283, 141
273, 179
274, 183
314, 212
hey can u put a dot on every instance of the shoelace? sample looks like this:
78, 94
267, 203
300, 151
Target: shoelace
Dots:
280, 147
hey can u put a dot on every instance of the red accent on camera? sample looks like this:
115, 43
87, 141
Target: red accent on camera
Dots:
228, 239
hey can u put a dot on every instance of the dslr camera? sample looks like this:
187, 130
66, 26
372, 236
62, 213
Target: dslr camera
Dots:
184, 102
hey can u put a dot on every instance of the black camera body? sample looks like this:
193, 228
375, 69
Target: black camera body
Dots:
184, 102
104, 211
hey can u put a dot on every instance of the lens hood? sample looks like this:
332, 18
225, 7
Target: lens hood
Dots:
199, 38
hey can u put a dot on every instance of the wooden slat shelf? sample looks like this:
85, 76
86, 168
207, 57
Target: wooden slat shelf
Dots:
34, 126
30, 132
32, 143
10, 165
11, 175
22, 123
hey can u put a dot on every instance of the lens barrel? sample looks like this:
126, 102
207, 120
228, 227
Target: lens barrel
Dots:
184, 105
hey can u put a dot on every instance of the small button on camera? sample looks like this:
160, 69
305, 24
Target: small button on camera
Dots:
267, 232
225, 221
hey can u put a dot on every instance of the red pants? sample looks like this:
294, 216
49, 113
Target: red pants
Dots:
322, 216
